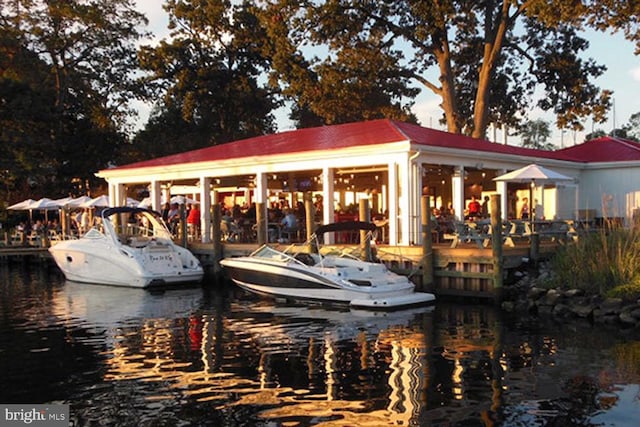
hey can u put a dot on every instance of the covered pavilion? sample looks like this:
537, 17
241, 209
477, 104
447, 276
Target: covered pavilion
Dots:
391, 163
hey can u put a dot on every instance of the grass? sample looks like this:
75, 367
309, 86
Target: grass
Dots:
603, 262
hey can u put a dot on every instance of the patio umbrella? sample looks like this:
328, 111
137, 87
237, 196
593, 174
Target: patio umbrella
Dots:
45, 204
22, 206
79, 201
181, 200
98, 202
533, 175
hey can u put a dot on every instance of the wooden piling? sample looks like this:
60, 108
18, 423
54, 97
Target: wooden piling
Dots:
496, 246
364, 213
534, 250
261, 222
183, 225
309, 211
216, 218
427, 245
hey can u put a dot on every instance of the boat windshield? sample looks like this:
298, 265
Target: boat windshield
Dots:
138, 223
268, 252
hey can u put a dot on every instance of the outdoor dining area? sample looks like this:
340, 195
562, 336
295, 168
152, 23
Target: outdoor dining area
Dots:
48, 220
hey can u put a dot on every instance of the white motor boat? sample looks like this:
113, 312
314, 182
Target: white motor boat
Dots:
131, 247
314, 276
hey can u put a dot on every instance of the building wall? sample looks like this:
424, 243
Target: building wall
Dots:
613, 192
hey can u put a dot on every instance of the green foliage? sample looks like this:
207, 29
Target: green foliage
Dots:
628, 292
600, 262
535, 134
65, 80
205, 79
489, 59
630, 131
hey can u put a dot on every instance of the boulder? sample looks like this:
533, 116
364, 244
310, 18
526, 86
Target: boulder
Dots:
611, 306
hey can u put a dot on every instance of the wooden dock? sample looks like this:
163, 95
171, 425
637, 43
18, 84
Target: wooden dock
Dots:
465, 271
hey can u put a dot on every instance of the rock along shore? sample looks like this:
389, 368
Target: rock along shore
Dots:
527, 296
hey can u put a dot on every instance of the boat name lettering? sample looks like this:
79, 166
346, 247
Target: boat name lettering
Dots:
160, 257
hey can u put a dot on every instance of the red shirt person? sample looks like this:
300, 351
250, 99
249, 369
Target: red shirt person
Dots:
474, 207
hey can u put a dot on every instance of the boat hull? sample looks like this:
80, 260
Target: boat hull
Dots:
297, 283
97, 263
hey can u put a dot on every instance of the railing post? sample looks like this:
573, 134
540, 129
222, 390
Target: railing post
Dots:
365, 216
427, 245
496, 246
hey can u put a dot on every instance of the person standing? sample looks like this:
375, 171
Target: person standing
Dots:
474, 208
193, 220
524, 210
485, 207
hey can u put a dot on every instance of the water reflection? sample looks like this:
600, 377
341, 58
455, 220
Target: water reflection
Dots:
217, 356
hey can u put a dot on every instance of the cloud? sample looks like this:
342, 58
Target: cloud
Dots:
635, 73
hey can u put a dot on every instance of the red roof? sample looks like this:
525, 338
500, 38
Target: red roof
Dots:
386, 131
605, 149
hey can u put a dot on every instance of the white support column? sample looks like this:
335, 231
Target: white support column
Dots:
501, 188
205, 209
415, 182
404, 208
328, 201
261, 192
112, 194
393, 203
120, 195
155, 196
457, 183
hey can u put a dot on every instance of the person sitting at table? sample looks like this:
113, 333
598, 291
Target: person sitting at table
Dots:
474, 208
289, 223
524, 210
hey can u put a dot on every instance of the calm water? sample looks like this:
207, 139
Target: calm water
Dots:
216, 356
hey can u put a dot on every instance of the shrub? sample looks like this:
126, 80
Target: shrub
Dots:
599, 262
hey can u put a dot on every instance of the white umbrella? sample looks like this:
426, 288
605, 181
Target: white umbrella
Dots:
63, 201
533, 173
79, 201
181, 200
98, 202
22, 206
44, 204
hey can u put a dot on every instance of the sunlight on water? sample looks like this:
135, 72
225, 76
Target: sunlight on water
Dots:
218, 356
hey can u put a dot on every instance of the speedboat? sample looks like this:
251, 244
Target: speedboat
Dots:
130, 247
324, 276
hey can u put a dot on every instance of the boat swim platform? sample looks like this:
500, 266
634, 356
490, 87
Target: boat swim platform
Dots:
464, 271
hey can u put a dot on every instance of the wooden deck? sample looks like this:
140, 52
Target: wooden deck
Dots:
466, 270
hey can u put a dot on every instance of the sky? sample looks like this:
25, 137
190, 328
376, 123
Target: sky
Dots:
622, 77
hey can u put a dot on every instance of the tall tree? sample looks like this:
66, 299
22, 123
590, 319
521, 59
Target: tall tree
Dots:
490, 56
207, 75
633, 127
535, 134
72, 65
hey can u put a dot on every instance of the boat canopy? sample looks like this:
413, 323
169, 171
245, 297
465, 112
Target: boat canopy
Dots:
345, 226
125, 209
